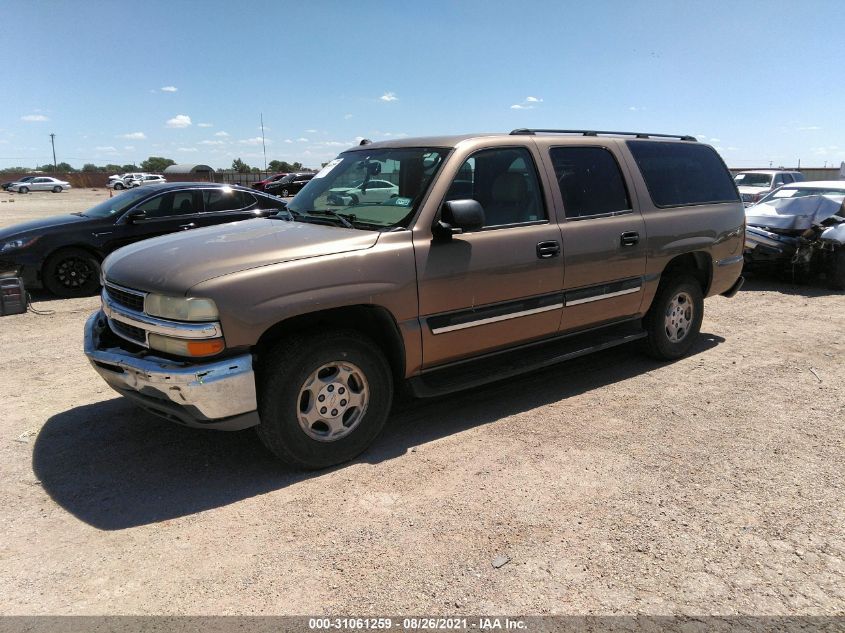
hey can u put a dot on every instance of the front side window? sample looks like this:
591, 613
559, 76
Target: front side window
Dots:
504, 181
590, 181
753, 180
683, 173
343, 188
169, 204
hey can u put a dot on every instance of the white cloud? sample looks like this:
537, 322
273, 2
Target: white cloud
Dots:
255, 140
287, 140
347, 116
169, 88
205, 125
221, 133
34, 118
529, 103
134, 136
310, 131
212, 142
389, 96
186, 149
128, 148
715, 140
302, 139
805, 128
105, 148
179, 121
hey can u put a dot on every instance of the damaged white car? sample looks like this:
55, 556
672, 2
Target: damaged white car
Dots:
799, 228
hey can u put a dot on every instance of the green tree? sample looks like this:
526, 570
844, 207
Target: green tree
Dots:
128, 168
156, 164
65, 167
112, 168
239, 166
48, 168
89, 167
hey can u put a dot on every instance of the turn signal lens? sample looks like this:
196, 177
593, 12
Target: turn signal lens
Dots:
186, 347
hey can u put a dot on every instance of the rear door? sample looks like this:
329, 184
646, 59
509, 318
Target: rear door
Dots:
223, 204
603, 235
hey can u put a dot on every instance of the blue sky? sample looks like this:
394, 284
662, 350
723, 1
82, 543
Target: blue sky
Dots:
117, 82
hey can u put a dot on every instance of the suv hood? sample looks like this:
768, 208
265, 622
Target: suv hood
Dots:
172, 264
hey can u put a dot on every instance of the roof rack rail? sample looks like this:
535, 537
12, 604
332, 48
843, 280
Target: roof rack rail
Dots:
532, 131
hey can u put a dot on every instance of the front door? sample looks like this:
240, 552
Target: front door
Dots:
498, 286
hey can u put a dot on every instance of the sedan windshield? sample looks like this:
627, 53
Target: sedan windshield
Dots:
116, 205
374, 189
753, 180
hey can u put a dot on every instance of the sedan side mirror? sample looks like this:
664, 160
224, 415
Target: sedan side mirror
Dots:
136, 216
459, 216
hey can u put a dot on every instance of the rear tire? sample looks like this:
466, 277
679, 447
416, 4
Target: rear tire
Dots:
118, 186
836, 273
299, 375
674, 319
71, 272
23, 190
285, 193
57, 189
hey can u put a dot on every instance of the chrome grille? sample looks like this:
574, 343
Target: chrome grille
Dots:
125, 298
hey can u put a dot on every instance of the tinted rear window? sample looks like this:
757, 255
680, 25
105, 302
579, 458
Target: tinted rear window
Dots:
590, 181
679, 174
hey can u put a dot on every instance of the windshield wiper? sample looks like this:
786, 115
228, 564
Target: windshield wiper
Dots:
334, 214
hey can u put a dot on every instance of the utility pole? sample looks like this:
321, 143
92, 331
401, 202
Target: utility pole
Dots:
262, 141
53, 143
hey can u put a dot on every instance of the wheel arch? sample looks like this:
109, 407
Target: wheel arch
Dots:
376, 322
698, 264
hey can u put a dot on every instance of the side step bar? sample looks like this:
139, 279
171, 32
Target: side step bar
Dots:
491, 368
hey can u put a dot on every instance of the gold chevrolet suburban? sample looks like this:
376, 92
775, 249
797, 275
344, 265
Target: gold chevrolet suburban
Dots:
435, 263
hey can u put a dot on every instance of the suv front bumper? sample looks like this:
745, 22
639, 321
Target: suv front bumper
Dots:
214, 395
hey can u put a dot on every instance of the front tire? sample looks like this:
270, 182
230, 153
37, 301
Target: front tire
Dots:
674, 319
322, 397
71, 272
23, 190
285, 193
57, 189
118, 186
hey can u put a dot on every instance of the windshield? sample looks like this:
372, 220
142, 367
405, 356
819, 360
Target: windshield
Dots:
753, 180
118, 204
801, 192
377, 189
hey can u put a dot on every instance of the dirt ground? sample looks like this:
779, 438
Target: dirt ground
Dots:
614, 484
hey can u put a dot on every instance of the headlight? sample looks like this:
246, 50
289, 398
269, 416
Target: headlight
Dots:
15, 245
180, 308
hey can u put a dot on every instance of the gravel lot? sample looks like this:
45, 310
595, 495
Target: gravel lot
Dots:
615, 484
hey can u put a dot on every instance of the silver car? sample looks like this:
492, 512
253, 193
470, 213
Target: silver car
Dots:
40, 183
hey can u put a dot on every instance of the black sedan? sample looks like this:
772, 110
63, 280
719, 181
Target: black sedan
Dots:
63, 253
290, 185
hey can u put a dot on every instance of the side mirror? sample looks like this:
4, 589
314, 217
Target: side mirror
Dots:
136, 216
458, 216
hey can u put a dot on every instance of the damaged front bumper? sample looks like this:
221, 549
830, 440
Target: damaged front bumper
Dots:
213, 395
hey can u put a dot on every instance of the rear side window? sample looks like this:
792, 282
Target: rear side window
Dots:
226, 200
590, 181
679, 174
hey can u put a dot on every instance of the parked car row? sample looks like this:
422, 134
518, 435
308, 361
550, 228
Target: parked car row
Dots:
756, 183
128, 181
63, 253
37, 183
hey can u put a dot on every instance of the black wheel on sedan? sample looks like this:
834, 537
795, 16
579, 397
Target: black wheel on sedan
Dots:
71, 272
57, 189
23, 190
322, 398
285, 193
